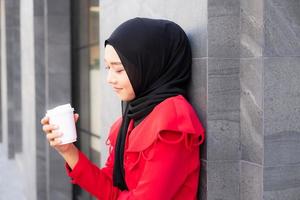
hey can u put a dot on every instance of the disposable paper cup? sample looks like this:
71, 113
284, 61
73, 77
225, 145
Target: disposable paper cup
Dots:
63, 117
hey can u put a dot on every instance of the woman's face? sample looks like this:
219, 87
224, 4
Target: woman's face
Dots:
117, 76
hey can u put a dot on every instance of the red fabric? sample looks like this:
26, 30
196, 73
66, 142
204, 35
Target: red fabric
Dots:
161, 157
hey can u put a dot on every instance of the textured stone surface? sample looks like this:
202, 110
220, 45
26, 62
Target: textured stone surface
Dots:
251, 78
282, 28
251, 182
290, 194
223, 180
58, 30
40, 98
281, 178
11, 181
13, 77
281, 96
28, 156
223, 28
281, 128
58, 7
223, 116
251, 25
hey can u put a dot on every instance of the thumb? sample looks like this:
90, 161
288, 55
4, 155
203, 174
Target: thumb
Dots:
76, 117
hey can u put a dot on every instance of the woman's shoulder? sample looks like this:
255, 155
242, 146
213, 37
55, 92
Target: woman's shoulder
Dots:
176, 113
173, 115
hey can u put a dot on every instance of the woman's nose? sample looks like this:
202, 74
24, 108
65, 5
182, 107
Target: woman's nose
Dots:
110, 78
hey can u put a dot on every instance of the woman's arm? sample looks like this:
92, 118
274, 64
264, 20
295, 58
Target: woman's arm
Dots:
70, 155
94, 180
82, 171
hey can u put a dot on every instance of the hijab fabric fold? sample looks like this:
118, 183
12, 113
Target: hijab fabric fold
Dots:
156, 56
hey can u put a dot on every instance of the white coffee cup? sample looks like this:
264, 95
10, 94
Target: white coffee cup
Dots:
63, 117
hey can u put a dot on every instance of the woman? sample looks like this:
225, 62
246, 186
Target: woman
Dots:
154, 146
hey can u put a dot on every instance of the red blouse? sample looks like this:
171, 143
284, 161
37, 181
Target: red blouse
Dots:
161, 158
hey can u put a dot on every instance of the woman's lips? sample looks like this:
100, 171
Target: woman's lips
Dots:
117, 89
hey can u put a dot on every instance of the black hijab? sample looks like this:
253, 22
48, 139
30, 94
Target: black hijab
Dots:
157, 58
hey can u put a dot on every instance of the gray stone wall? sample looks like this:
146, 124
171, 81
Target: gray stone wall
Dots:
37, 75
251, 100
281, 61
27, 157
58, 85
12, 23
245, 89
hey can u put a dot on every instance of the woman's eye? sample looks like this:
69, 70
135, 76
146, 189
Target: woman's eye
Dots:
119, 71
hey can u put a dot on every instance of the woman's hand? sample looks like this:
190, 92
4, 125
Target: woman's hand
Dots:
52, 134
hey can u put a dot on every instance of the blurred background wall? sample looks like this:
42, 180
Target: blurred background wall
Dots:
245, 89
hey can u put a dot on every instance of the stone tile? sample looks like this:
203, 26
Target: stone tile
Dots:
198, 93
282, 178
80, 15
282, 28
58, 8
251, 185
59, 89
223, 180
282, 148
59, 59
193, 21
39, 30
12, 4
251, 77
290, 194
84, 93
223, 116
11, 181
281, 95
251, 115
223, 28
59, 182
251, 28
38, 8
59, 30
40, 109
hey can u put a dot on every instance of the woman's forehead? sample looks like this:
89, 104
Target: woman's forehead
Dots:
111, 56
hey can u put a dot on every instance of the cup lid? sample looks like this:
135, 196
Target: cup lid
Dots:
60, 109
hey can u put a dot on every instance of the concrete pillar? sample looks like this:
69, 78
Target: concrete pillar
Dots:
46, 82
28, 81
4, 133
12, 73
58, 85
281, 72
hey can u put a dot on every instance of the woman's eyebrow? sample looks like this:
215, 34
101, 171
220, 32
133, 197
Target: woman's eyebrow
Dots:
114, 63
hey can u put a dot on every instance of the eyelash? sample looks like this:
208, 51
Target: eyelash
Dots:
118, 71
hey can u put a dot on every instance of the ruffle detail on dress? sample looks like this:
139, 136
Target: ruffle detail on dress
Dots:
171, 121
